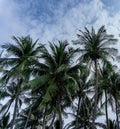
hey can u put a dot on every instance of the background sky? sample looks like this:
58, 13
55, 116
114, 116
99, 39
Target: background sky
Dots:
51, 20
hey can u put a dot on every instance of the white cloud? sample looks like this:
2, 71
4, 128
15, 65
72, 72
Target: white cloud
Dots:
66, 20
10, 23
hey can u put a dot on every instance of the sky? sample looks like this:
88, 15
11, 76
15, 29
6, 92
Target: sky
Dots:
53, 20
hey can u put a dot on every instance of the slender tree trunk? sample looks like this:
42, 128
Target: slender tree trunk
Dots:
106, 111
8, 108
60, 112
96, 94
44, 116
15, 111
117, 118
16, 103
51, 124
29, 114
78, 109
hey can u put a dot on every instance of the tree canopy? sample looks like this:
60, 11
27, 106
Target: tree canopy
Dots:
42, 85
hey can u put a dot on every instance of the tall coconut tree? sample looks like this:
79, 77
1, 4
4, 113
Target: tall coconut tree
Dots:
17, 62
85, 88
58, 77
94, 48
33, 122
10, 94
104, 86
32, 110
84, 117
109, 85
114, 93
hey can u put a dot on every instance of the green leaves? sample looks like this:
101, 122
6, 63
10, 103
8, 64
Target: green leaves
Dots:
51, 90
96, 44
49, 80
3, 94
4, 123
38, 82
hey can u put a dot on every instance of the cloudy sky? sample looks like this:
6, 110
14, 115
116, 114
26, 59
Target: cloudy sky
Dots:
51, 20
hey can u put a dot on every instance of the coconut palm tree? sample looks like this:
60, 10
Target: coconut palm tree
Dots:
104, 86
114, 92
33, 101
10, 92
18, 64
109, 84
33, 122
58, 77
85, 87
84, 117
95, 49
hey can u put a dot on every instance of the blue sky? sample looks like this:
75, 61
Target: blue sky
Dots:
52, 20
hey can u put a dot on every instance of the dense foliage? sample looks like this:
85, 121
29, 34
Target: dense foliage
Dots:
43, 85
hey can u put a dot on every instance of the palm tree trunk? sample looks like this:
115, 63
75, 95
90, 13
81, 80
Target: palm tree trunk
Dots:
28, 118
44, 116
96, 94
76, 124
117, 118
106, 111
59, 112
16, 103
15, 111
8, 109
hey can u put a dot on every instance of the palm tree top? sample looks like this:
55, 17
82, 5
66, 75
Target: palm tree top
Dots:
23, 46
60, 55
96, 45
